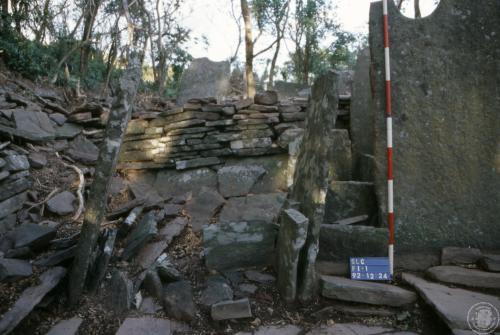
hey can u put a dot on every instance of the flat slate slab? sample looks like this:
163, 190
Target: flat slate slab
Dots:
275, 330
203, 207
259, 207
237, 309
356, 329
365, 292
490, 263
145, 325
452, 304
66, 327
30, 298
466, 277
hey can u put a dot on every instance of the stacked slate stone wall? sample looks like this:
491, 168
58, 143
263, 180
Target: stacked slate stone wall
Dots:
204, 133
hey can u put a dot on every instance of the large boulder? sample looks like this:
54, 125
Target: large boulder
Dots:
446, 124
238, 180
204, 78
233, 245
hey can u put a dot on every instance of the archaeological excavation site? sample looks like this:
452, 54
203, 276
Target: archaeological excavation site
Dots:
332, 182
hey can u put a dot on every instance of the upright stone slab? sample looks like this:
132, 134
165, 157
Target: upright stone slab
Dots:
204, 78
311, 174
361, 130
446, 124
291, 239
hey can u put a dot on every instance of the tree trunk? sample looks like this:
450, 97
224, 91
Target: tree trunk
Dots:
250, 82
5, 14
273, 63
108, 156
40, 33
92, 9
418, 14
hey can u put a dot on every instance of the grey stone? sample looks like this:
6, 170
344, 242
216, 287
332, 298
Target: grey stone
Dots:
339, 242
13, 269
291, 117
58, 118
435, 80
340, 269
457, 275
66, 327
149, 306
137, 127
202, 207
145, 325
265, 142
361, 119
149, 254
11, 188
242, 104
33, 126
153, 285
62, 203
346, 199
142, 234
4, 174
266, 98
416, 261
340, 157
238, 180
56, 257
259, 277
238, 309
248, 288
37, 160
175, 183
178, 301
217, 289
460, 256
356, 311
356, 329
275, 330
490, 263
7, 223
232, 245
33, 236
288, 136
17, 163
258, 207
452, 304
12, 205
30, 298
167, 271
291, 239
83, 150
204, 78
120, 292
68, 131
275, 178
311, 173
365, 292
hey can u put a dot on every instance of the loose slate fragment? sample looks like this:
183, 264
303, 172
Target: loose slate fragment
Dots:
33, 236
142, 234
238, 309
30, 298
66, 327
13, 269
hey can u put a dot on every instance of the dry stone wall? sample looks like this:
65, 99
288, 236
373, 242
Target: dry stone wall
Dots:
203, 133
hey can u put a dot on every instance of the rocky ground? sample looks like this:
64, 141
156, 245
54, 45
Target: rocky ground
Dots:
162, 263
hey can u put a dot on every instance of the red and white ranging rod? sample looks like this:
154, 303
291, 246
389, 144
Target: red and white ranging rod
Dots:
388, 112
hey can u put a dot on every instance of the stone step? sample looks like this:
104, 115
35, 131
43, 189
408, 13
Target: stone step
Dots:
451, 304
365, 292
465, 277
356, 329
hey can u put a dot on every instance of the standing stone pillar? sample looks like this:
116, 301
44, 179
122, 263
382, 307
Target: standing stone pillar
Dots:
291, 239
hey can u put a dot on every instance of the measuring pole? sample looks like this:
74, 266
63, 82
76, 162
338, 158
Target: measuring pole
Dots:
388, 112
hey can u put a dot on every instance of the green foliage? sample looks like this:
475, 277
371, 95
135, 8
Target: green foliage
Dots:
29, 58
